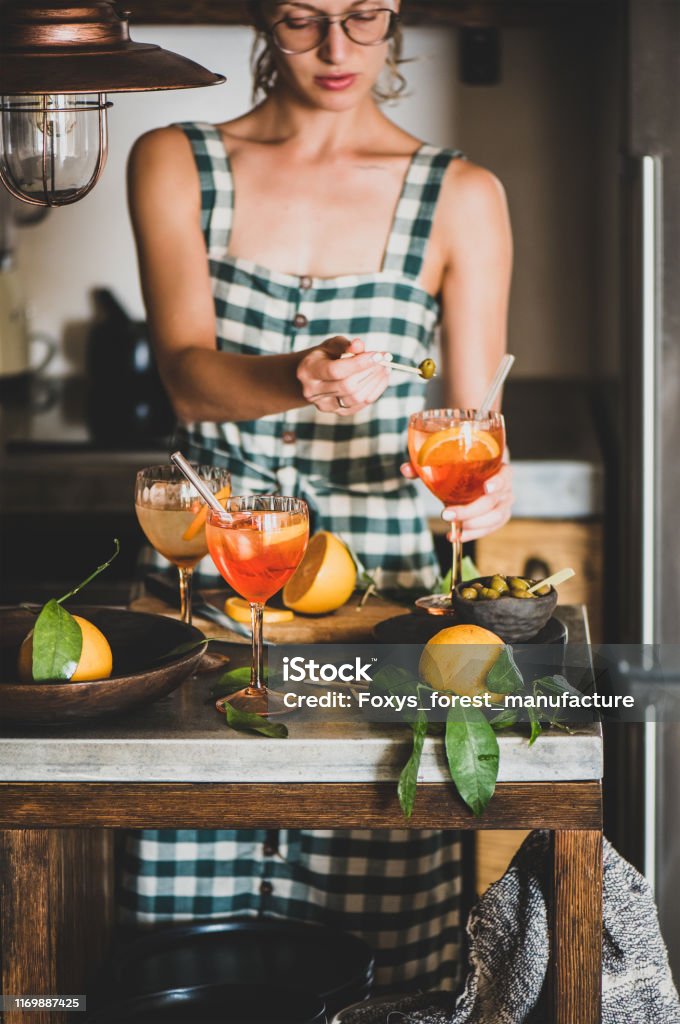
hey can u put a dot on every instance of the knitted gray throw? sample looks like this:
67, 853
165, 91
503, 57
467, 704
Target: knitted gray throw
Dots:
508, 933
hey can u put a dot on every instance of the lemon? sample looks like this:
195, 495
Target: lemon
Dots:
325, 578
459, 659
458, 444
95, 662
239, 610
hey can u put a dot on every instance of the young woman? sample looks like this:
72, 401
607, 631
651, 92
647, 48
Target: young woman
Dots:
283, 256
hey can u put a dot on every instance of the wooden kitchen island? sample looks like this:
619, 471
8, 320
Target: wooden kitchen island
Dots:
63, 792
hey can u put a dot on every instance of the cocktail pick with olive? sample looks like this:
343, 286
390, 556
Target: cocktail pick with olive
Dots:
427, 369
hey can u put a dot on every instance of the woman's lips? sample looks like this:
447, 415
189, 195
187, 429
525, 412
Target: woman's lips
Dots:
335, 82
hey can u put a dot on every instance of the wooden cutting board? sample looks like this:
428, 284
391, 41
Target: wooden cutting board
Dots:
348, 624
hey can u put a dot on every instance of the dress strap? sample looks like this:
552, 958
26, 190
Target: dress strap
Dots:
217, 188
415, 210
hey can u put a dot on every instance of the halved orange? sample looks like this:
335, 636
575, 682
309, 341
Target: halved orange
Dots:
239, 610
199, 520
458, 444
325, 578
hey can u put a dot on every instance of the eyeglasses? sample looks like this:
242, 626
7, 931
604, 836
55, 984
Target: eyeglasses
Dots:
298, 34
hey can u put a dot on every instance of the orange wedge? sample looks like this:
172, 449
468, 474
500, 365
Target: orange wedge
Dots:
198, 522
325, 578
239, 610
458, 444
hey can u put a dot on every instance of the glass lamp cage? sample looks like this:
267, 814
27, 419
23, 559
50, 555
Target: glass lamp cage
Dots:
58, 61
52, 147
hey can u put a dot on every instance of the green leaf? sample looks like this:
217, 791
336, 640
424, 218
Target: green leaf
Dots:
554, 684
232, 681
408, 780
242, 721
185, 648
468, 569
100, 568
57, 643
472, 753
505, 720
504, 676
536, 727
394, 680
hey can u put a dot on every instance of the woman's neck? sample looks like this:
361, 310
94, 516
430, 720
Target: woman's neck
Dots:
316, 133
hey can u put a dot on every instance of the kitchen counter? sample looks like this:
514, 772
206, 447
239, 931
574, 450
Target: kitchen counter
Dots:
46, 450
181, 738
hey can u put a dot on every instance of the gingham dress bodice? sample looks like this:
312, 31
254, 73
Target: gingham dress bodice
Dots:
347, 468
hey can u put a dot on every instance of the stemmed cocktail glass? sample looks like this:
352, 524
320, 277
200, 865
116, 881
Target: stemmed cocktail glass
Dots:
172, 515
257, 544
454, 454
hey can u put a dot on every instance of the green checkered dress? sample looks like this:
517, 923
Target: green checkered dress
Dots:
347, 469
398, 889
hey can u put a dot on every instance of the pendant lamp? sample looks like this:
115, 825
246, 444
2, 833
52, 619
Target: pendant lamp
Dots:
58, 62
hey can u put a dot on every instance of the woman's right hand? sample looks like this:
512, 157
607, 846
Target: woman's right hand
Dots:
340, 385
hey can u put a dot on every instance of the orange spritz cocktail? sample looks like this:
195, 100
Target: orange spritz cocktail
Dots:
454, 454
259, 552
172, 515
257, 544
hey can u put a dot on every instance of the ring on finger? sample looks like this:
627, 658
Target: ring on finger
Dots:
341, 403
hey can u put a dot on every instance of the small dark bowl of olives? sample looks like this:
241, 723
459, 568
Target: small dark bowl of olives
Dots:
504, 605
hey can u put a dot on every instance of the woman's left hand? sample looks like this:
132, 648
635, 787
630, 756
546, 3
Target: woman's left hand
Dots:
487, 513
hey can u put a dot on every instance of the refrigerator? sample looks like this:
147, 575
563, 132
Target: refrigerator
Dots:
642, 797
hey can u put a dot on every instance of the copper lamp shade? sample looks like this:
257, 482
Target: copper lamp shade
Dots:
57, 63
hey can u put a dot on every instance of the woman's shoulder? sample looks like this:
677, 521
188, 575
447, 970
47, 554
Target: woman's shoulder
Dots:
162, 160
470, 193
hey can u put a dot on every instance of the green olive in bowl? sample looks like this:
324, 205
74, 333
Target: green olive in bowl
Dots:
508, 611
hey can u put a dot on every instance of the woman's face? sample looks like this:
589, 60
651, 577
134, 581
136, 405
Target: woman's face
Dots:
337, 73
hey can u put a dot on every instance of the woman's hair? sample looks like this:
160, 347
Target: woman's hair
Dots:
265, 70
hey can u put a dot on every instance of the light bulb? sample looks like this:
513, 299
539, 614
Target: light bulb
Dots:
52, 147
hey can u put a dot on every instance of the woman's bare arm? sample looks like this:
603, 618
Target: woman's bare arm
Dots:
475, 293
476, 284
202, 382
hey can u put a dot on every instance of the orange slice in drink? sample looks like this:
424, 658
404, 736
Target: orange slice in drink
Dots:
458, 444
199, 520
239, 610
325, 578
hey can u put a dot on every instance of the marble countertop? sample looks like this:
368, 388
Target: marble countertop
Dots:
181, 738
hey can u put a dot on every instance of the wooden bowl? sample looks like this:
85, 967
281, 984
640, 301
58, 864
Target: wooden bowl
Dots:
515, 620
139, 643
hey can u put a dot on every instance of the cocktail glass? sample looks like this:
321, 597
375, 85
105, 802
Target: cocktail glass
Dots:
172, 515
257, 544
454, 454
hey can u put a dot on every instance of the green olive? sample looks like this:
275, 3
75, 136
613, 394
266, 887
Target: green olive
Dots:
428, 369
499, 583
517, 583
488, 594
542, 591
478, 586
522, 594
468, 594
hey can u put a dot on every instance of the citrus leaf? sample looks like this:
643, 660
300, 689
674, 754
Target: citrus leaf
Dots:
408, 780
243, 721
472, 753
504, 676
505, 719
536, 727
57, 643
